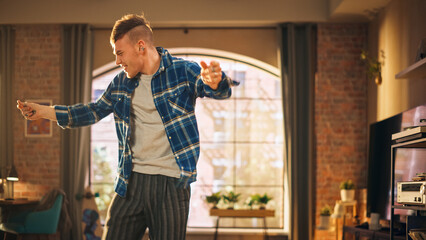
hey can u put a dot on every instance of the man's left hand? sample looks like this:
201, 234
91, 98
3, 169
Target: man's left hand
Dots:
211, 74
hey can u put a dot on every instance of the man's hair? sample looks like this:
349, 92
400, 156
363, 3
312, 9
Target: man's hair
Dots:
136, 25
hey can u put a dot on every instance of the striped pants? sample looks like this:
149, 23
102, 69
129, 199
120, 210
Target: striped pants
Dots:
153, 202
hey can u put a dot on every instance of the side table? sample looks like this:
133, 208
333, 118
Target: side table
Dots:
242, 213
9, 205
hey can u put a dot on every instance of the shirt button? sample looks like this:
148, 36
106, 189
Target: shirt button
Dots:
177, 157
170, 137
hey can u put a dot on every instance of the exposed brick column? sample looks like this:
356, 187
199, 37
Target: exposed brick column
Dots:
37, 76
340, 113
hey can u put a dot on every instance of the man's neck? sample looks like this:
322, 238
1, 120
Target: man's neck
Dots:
153, 62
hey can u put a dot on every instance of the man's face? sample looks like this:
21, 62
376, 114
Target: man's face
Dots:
127, 56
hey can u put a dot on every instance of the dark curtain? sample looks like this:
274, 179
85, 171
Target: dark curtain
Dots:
7, 104
298, 61
76, 88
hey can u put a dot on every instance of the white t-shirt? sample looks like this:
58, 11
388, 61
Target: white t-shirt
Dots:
151, 149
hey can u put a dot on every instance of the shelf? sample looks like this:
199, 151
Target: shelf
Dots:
415, 208
417, 143
242, 213
417, 70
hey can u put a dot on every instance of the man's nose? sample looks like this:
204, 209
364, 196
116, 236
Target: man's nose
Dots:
117, 61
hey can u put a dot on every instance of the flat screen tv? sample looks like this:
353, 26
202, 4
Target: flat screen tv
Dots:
408, 162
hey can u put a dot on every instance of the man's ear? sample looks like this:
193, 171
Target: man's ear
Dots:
141, 45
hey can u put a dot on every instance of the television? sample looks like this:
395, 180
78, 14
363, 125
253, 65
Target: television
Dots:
408, 162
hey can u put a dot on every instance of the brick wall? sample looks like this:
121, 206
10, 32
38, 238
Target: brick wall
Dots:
37, 76
340, 113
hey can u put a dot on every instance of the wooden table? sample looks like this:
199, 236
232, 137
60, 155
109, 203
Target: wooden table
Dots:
242, 213
9, 205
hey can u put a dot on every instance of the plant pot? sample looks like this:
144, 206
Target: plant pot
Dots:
347, 195
324, 222
213, 206
378, 79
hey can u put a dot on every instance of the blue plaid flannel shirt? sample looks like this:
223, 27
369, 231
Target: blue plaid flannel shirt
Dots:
175, 87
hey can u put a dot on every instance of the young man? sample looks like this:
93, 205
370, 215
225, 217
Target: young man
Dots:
153, 102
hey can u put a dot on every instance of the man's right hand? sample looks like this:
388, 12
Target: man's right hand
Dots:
34, 111
28, 110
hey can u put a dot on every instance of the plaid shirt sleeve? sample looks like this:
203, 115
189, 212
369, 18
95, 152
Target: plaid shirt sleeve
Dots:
80, 115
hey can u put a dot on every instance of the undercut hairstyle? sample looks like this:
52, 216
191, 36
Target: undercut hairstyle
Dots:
136, 25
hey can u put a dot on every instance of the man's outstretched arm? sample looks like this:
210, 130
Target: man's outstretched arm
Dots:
34, 111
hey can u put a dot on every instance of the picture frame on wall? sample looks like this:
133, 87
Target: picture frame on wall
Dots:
39, 127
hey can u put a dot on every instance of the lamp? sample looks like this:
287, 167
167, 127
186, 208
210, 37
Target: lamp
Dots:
12, 176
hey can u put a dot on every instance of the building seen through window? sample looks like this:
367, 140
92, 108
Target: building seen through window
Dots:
241, 141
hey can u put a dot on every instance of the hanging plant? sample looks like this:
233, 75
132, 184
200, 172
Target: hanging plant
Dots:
374, 65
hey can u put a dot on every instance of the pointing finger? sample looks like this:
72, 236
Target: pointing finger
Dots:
203, 64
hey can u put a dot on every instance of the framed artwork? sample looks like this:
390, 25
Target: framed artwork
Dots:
40, 127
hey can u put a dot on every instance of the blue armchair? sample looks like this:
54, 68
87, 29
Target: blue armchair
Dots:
34, 222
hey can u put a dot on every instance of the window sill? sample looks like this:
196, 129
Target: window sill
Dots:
237, 231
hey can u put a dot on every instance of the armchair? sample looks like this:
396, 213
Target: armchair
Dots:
34, 222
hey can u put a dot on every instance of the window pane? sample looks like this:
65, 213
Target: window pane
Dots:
259, 121
255, 83
216, 164
259, 164
215, 120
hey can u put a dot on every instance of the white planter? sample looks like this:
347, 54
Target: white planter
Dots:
347, 195
324, 222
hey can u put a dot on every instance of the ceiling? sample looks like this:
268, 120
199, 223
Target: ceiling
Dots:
189, 13
355, 10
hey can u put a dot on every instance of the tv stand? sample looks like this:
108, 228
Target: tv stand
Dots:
358, 232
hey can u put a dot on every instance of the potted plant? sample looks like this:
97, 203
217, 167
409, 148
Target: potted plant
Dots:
231, 198
213, 199
347, 190
259, 200
374, 66
325, 214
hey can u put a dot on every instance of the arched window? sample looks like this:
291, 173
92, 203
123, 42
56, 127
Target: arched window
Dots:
241, 140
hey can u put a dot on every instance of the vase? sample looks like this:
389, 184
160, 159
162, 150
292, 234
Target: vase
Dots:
378, 79
347, 195
324, 222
